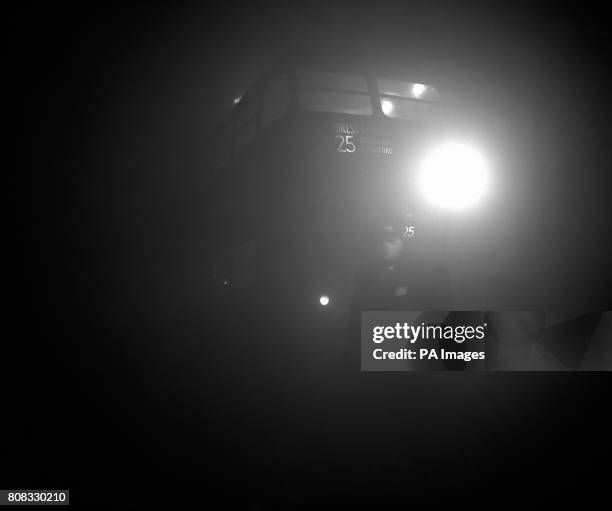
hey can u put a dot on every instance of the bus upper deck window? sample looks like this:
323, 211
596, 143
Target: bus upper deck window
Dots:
275, 100
335, 81
333, 92
339, 102
396, 108
407, 89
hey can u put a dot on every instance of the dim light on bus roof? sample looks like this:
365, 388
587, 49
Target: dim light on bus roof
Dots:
418, 89
407, 89
387, 107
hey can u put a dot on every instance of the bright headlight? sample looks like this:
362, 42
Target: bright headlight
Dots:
453, 176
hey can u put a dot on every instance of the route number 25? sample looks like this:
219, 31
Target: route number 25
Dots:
345, 144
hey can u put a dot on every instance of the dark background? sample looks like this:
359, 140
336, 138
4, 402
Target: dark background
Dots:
120, 99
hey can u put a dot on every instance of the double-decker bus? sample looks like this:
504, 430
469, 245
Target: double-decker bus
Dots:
320, 170
337, 188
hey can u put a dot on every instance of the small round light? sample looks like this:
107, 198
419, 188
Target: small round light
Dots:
324, 300
387, 107
418, 89
453, 176
237, 100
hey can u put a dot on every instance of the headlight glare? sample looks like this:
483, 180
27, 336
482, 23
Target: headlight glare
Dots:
453, 176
